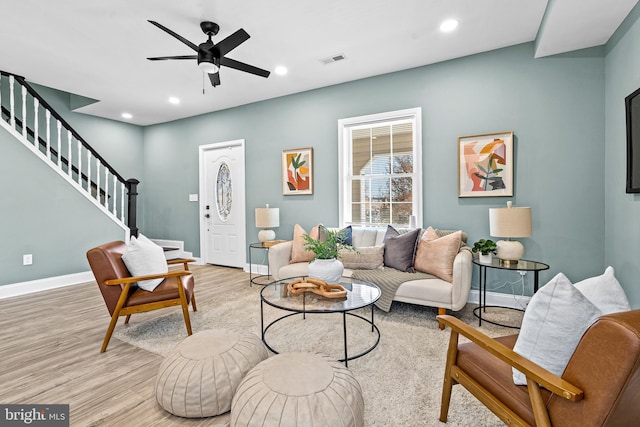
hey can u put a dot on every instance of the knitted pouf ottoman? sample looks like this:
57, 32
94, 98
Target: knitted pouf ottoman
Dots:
200, 375
298, 389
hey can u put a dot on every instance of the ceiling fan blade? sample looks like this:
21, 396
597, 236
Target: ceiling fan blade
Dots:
178, 36
232, 63
215, 79
232, 42
162, 58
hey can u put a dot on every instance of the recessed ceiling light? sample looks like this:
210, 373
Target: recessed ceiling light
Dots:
281, 70
126, 115
173, 100
448, 25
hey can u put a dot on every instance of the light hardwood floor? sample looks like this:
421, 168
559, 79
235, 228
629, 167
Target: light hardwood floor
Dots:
50, 353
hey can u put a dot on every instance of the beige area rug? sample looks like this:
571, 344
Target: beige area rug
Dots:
401, 378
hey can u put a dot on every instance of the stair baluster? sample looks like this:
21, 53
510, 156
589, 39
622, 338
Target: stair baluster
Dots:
89, 181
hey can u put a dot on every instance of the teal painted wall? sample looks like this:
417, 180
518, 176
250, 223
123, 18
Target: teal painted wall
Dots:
41, 214
555, 106
568, 168
622, 211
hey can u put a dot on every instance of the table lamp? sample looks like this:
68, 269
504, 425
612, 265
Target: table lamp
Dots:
267, 218
509, 222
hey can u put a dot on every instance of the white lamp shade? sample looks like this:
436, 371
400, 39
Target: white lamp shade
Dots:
510, 222
267, 217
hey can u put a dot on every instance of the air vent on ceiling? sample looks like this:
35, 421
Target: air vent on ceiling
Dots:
331, 59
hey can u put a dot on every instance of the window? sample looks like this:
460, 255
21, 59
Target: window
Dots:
380, 169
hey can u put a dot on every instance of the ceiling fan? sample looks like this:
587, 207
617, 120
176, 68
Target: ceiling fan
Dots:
211, 56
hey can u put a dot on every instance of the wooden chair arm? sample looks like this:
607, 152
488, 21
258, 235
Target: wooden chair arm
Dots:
125, 280
180, 261
531, 370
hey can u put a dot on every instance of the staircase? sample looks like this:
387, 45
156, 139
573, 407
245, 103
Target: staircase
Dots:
30, 119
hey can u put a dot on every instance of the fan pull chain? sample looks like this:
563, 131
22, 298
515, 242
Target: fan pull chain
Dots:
203, 83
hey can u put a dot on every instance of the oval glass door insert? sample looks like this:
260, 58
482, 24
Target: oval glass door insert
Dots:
224, 191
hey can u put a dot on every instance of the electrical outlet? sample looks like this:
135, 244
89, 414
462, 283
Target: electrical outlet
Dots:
522, 273
27, 259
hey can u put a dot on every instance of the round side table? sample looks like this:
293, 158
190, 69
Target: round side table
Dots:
522, 265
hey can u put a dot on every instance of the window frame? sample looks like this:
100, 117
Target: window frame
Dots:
345, 158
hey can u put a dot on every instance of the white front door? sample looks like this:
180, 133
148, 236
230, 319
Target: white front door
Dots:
222, 204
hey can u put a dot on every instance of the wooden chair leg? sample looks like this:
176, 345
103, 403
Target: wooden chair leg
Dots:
185, 306
107, 336
193, 302
441, 311
126, 319
187, 319
447, 385
114, 317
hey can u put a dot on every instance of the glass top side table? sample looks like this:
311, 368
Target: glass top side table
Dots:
522, 265
259, 279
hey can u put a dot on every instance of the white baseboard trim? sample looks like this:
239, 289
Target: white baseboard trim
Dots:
500, 299
17, 289
257, 269
23, 288
32, 286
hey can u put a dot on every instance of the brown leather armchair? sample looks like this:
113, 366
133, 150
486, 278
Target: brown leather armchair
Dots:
123, 298
599, 387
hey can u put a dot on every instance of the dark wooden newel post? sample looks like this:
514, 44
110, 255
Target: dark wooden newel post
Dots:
132, 189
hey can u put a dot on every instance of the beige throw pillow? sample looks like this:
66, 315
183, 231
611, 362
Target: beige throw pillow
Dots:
367, 258
435, 254
298, 252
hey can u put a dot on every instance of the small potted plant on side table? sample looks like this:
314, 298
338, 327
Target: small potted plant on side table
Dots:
485, 247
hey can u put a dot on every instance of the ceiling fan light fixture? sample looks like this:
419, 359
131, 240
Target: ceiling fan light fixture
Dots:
208, 67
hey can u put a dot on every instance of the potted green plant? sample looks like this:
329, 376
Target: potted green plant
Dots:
486, 248
326, 264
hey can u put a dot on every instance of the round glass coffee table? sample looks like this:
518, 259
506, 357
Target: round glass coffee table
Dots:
360, 294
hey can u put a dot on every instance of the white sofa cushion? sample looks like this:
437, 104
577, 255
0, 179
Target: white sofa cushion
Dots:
366, 237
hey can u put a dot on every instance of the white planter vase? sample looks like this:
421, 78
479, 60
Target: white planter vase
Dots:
485, 259
329, 270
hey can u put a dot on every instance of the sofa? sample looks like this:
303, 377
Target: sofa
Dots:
416, 287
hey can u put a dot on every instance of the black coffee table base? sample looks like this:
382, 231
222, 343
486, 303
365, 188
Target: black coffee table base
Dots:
346, 358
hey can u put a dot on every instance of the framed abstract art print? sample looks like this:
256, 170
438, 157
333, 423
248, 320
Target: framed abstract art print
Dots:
297, 171
485, 165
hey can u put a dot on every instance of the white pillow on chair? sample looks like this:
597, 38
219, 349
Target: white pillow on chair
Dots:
555, 319
143, 257
605, 292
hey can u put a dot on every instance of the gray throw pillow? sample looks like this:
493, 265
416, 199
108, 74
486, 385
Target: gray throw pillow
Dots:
400, 249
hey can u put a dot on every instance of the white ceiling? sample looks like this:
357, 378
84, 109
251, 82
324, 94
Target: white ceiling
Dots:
98, 49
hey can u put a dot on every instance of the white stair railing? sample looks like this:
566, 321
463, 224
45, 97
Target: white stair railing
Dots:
31, 120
